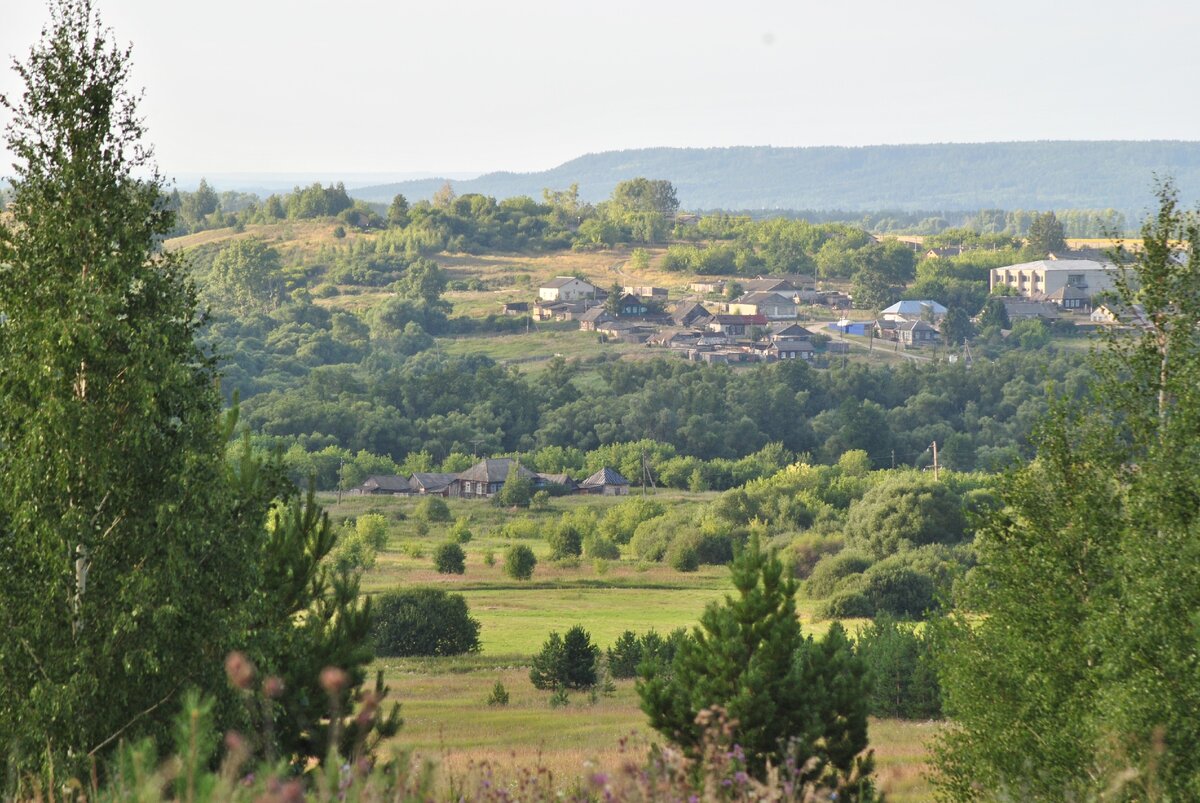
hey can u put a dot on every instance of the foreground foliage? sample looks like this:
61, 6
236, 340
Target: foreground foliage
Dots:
1081, 677
133, 556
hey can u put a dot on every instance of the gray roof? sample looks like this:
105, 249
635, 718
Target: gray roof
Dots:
386, 482
1068, 291
914, 308
563, 281
789, 330
605, 476
763, 297
596, 314
430, 481
1060, 264
493, 469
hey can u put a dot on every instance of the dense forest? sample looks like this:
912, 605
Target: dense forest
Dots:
956, 177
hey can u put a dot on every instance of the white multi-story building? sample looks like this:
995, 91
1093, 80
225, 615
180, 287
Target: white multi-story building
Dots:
1045, 277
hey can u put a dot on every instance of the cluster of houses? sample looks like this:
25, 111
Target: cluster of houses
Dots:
758, 325
485, 479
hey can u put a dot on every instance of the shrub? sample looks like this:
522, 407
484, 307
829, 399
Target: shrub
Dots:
831, 569
449, 558
566, 662
565, 541
521, 528
682, 555
422, 621
899, 663
432, 509
898, 589
539, 501
499, 695
519, 562
905, 511
597, 546
353, 553
489, 557
460, 533
517, 490
372, 528
620, 522
805, 551
848, 601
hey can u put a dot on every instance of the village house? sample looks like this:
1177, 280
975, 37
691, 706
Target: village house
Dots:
605, 482
631, 305
559, 310
1071, 299
567, 288
383, 485
1024, 309
658, 294
592, 319
912, 310
917, 333
516, 308
689, 313
790, 350
485, 479
773, 305
735, 325
430, 483
707, 286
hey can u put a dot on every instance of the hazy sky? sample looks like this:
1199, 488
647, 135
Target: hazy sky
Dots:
450, 85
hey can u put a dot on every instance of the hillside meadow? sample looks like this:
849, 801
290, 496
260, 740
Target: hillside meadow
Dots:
444, 699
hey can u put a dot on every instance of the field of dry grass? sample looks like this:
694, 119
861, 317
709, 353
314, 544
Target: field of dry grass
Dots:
446, 716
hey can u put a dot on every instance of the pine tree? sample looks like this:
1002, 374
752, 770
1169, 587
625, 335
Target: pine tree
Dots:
787, 695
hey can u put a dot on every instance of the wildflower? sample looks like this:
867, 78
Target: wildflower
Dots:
239, 670
333, 680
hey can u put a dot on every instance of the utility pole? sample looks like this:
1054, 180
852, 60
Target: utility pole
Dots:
935, 462
893, 459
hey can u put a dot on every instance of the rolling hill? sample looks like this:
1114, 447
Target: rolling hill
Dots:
1002, 175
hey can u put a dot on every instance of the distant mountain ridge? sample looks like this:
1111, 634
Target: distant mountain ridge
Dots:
1056, 174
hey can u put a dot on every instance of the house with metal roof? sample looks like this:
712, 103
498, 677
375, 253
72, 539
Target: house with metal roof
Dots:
605, 482
911, 310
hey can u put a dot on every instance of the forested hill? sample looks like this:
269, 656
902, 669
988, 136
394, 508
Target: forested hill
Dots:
1001, 175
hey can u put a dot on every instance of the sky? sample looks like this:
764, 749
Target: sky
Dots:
395, 87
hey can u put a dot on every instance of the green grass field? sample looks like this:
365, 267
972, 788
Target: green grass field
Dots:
443, 699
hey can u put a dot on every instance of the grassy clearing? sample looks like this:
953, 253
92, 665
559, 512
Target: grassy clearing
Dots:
447, 718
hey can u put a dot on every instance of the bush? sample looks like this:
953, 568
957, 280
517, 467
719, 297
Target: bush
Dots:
898, 589
432, 509
373, 528
422, 622
565, 541
449, 558
353, 553
682, 555
539, 501
899, 663
499, 695
521, 528
597, 546
566, 662
519, 562
620, 522
902, 512
805, 551
460, 533
849, 601
831, 569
